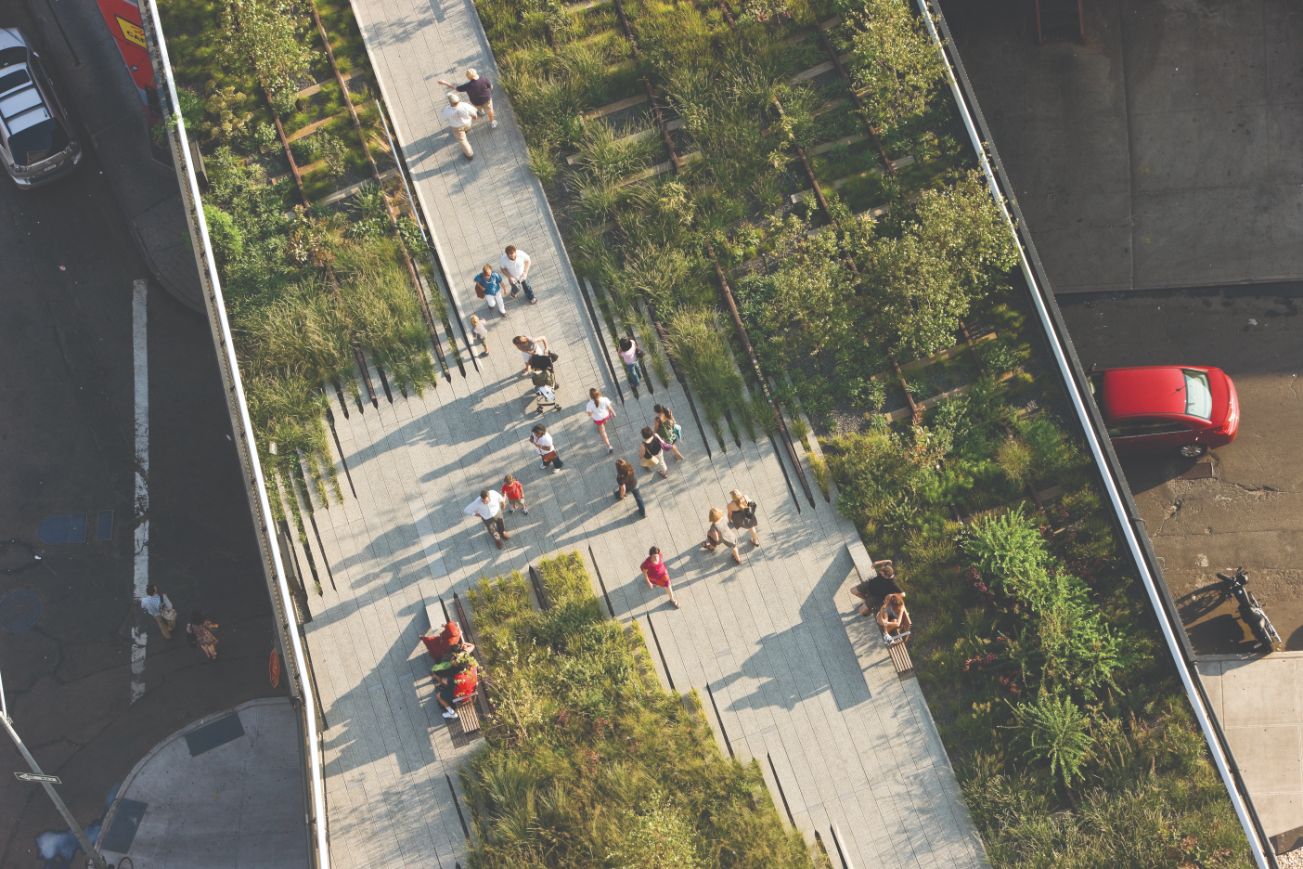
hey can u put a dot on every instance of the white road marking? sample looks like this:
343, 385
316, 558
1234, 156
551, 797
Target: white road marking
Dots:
140, 352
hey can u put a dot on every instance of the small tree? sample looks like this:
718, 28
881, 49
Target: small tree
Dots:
893, 62
267, 37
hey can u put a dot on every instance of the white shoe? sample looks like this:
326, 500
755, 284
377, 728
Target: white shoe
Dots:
449, 714
493, 125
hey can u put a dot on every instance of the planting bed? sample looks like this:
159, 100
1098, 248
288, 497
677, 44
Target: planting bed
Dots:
588, 761
323, 266
801, 160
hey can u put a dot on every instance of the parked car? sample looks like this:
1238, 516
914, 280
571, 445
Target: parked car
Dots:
1184, 408
36, 140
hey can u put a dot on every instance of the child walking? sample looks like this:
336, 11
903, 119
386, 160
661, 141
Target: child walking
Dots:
514, 492
479, 335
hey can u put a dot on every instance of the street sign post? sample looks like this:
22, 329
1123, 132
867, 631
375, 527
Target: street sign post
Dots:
39, 777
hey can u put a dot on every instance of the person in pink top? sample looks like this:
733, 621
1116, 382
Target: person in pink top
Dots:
656, 573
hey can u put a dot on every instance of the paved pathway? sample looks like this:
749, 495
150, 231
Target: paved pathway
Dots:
1260, 706
768, 637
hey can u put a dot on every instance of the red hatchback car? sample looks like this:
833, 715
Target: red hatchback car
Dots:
1185, 408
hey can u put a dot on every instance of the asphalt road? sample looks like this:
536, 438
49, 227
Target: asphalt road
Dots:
66, 436
1250, 512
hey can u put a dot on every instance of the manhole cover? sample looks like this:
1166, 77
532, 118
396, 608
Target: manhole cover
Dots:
19, 610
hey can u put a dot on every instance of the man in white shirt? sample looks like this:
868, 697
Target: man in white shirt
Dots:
488, 508
157, 604
459, 116
515, 265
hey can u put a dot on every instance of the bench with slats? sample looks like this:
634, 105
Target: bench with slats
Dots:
899, 652
469, 717
864, 571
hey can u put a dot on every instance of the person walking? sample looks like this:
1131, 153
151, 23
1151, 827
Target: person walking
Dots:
742, 514
652, 452
459, 116
715, 536
545, 447
488, 509
529, 348
626, 483
200, 629
657, 574
668, 429
515, 265
629, 354
158, 605
600, 411
488, 286
479, 334
479, 91
514, 491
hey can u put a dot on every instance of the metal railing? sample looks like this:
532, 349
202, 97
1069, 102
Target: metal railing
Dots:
1074, 379
292, 647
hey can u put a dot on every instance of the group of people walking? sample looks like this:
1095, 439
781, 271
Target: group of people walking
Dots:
657, 440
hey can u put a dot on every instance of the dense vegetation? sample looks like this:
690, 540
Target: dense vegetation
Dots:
306, 286
588, 762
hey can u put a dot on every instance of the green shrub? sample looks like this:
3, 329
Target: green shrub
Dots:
1015, 460
1056, 733
699, 346
1009, 550
893, 61
268, 37
226, 237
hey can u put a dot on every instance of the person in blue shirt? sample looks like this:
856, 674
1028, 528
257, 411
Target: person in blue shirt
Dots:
488, 286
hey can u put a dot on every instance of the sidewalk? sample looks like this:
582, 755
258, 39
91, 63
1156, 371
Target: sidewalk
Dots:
1264, 726
766, 638
227, 791
104, 104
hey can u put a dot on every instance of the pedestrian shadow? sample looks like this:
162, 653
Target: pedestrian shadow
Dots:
810, 657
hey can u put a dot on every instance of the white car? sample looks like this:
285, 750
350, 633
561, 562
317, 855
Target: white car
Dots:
36, 141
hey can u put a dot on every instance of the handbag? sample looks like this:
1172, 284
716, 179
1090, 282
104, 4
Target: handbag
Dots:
479, 290
167, 612
549, 457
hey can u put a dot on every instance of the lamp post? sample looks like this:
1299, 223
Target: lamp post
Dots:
97, 860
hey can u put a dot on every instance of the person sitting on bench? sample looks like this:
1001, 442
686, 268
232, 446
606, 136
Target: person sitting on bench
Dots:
874, 591
446, 643
894, 619
457, 681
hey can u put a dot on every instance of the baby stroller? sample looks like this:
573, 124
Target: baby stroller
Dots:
546, 398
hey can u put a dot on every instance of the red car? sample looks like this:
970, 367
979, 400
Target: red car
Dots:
1185, 408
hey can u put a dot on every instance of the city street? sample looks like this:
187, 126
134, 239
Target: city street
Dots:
1250, 512
67, 268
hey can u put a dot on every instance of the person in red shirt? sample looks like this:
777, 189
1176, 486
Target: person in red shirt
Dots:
655, 572
514, 492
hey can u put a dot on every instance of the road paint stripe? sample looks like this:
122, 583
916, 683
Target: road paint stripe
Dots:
140, 509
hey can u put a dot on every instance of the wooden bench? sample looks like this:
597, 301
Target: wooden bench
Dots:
468, 716
865, 570
899, 652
